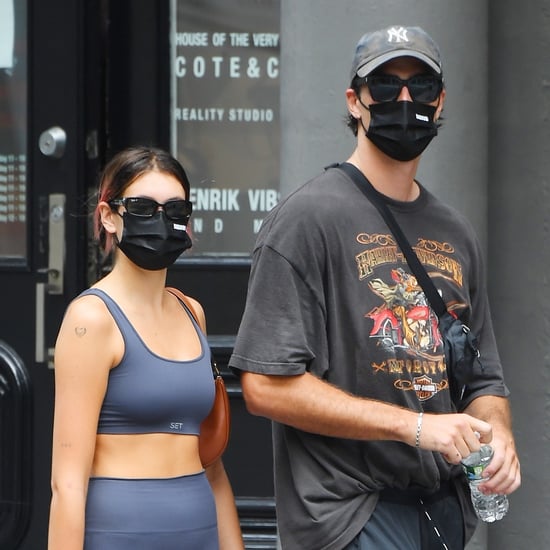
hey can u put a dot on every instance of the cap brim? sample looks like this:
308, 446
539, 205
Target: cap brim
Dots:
368, 67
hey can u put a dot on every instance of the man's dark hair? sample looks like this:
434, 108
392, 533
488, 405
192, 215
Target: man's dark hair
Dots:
351, 122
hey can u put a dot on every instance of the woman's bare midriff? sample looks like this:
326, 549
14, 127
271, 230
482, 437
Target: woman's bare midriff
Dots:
154, 455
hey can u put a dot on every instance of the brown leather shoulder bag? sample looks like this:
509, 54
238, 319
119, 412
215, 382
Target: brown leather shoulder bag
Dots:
215, 428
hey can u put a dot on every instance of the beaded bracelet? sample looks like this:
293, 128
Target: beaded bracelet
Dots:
418, 428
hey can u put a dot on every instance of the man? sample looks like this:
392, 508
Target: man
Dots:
338, 346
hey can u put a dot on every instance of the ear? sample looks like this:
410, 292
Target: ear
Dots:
352, 101
107, 216
440, 104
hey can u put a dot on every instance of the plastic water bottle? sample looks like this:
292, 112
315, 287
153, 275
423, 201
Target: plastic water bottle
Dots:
488, 507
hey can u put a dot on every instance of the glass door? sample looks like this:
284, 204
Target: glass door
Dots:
49, 128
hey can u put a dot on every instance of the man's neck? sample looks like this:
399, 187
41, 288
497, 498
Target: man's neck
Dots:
392, 178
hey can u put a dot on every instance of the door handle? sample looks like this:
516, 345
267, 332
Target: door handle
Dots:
55, 272
56, 244
42, 354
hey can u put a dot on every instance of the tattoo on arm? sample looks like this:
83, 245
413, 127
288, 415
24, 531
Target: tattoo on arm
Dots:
80, 331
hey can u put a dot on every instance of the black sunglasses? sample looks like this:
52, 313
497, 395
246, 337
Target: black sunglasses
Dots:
424, 88
179, 209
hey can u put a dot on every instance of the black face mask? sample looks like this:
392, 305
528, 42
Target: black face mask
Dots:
153, 242
401, 129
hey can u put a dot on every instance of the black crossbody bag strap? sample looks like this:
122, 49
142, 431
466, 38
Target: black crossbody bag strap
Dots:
365, 186
460, 344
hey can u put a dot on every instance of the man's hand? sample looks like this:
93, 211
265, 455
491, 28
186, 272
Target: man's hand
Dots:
503, 472
455, 436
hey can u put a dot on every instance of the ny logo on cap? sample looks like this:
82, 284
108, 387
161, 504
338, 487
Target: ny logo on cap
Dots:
397, 34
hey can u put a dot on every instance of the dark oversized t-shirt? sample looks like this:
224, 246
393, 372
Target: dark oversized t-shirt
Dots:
331, 293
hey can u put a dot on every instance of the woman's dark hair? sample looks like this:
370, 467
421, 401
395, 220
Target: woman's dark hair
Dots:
123, 169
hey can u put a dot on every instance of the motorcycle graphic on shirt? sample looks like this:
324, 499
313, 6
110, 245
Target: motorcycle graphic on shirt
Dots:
402, 323
404, 319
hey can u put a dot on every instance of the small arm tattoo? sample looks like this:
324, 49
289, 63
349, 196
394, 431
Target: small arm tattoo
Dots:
80, 331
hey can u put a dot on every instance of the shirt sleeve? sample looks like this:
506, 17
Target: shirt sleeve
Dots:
489, 379
283, 321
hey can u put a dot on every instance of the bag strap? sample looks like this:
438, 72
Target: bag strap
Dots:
377, 199
185, 299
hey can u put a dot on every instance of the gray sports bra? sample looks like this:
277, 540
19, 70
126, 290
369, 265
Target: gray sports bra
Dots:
149, 394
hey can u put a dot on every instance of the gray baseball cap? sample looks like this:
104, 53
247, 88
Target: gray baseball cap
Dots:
378, 47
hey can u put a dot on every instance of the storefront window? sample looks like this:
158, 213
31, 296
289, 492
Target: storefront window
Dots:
13, 132
225, 117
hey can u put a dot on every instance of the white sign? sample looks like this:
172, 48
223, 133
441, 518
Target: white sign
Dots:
7, 31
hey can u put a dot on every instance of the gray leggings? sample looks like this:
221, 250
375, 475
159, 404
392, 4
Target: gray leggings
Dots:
151, 514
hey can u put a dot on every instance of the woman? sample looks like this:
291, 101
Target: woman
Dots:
133, 383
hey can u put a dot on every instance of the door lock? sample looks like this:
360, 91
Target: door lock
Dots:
52, 142
55, 269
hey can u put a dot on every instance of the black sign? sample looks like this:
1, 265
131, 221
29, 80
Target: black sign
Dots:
225, 117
